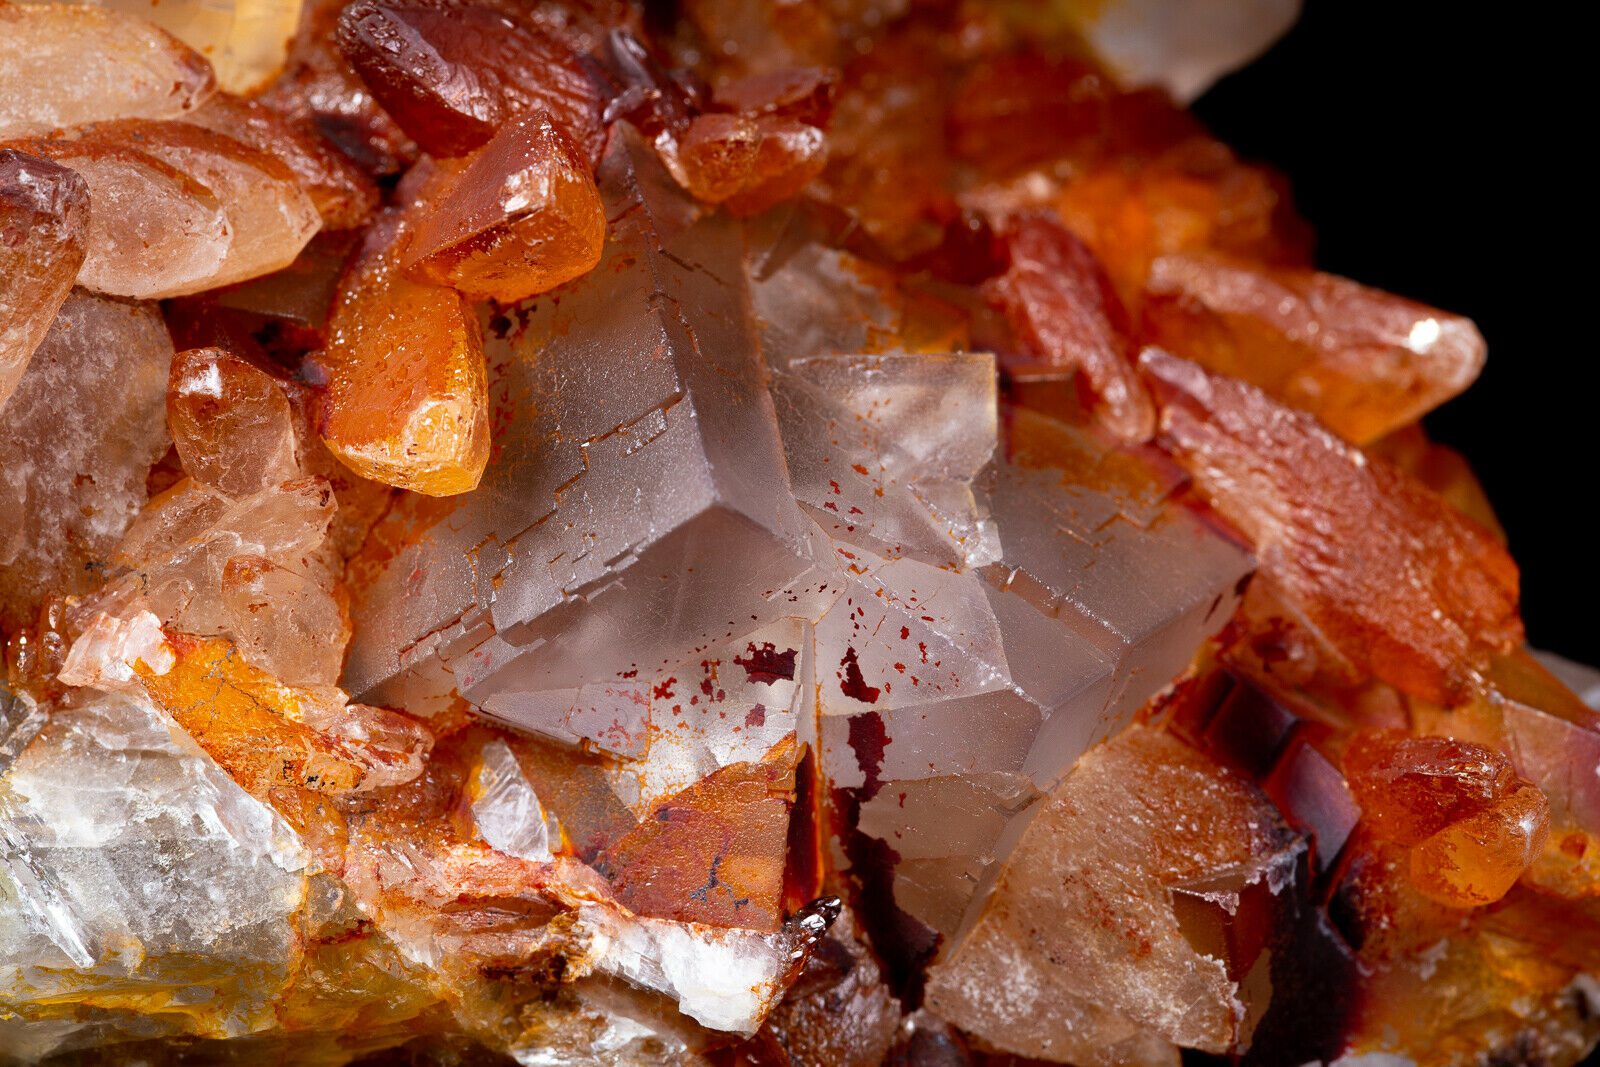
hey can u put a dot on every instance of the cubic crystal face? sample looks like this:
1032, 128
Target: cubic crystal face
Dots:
637, 510
780, 533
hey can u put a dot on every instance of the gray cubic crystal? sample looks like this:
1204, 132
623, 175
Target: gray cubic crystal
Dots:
637, 507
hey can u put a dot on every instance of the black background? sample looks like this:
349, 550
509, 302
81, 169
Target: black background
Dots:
1436, 152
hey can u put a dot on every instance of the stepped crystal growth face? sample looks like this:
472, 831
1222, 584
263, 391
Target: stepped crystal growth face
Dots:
794, 534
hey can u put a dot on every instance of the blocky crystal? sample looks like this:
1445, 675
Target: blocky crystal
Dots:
521, 217
1093, 885
639, 458
1288, 483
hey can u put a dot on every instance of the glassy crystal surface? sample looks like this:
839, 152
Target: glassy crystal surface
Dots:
453, 72
104, 814
1124, 970
246, 41
342, 194
639, 458
85, 424
62, 65
1362, 361
828, 532
1287, 482
407, 402
521, 217
44, 218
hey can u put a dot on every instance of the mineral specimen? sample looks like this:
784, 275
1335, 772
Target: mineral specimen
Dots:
795, 534
44, 216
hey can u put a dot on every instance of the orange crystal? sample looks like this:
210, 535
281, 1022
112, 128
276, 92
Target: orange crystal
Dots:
1472, 825
750, 162
1402, 584
714, 852
407, 398
1061, 306
453, 72
1362, 361
230, 421
521, 217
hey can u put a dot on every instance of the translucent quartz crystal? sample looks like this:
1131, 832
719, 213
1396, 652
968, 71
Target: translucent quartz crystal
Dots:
85, 424
44, 220
407, 400
174, 189
521, 217
171, 235
1179, 44
1472, 826
950, 701
101, 815
454, 72
1084, 946
343, 196
637, 510
208, 563
506, 807
231, 423
1061, 306
1402, 584
1361, 361
749, 162
246, 41
63, 65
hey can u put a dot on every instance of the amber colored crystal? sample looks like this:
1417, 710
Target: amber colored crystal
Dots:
1442, 469
1401, 583
803, 93
1362, 361
44, 221
343, 196
750, 162
230, 422
1067, 319
453, 72
407, 399
246, 41
269, 736
321, 96
1193, 198
714, 852
1472, 825
521, 217
63, 65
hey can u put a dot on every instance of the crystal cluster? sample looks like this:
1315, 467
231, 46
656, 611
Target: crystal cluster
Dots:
784, 534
